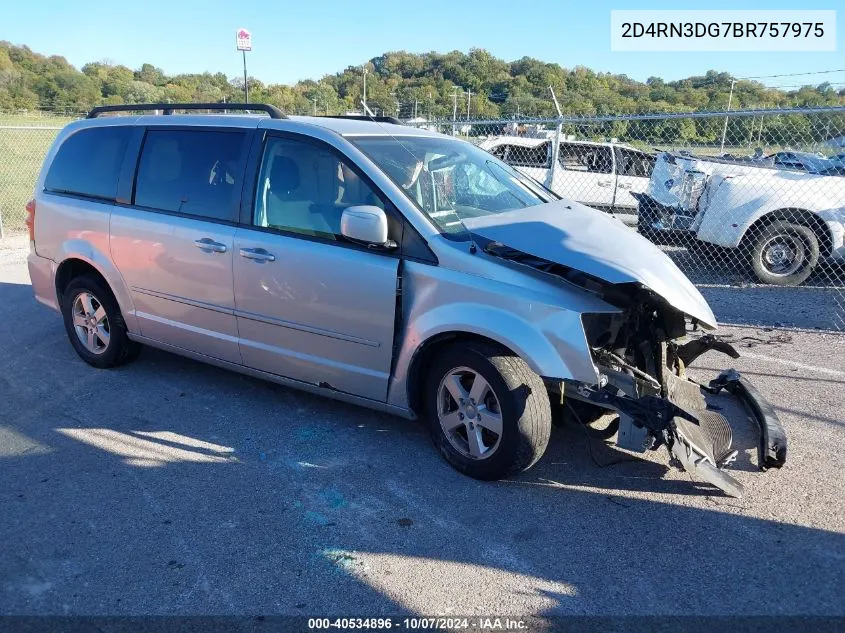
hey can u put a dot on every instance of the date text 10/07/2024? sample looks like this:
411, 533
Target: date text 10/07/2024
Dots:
421, 623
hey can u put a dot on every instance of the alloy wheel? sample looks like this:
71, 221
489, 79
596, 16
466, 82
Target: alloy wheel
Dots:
469, 413
91, 323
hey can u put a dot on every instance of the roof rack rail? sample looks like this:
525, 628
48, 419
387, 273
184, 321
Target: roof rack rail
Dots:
168, 108
364, 117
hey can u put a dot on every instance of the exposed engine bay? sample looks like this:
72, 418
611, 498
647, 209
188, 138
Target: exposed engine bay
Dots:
642, 353
644, 378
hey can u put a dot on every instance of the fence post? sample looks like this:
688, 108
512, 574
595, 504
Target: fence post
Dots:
2, 235
556, 145
550, 179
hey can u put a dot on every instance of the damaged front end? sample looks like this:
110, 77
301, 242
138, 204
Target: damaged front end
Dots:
642, 367
637, 346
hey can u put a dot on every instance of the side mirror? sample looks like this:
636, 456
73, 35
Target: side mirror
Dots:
366, 224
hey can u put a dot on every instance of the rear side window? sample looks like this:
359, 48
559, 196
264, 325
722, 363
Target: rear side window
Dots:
528, 156
88, 163
192, 172
634, 163
588, 158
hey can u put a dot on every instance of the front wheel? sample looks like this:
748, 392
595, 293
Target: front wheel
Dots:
488, 412
784, 254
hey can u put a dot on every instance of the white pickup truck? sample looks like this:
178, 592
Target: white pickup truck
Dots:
601, 175
783, 221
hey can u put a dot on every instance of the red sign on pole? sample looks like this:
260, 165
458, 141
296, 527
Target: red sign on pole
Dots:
243, 39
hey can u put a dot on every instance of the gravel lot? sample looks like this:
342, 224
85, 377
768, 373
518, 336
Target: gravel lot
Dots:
171, 487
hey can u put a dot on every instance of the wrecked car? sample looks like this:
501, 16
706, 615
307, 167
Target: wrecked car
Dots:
783, 223
382, 265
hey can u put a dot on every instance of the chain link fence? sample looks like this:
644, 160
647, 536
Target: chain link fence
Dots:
24, 141
749, 204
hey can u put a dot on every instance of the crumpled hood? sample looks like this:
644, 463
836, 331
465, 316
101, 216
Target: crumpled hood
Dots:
576, 236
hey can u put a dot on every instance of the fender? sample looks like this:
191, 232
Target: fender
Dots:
553, 345
85, 251
740, 201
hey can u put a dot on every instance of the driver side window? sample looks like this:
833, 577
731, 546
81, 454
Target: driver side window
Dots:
304, 188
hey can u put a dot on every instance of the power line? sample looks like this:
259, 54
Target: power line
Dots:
783, 86
818, 72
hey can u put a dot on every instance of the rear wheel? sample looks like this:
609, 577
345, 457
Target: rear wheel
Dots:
784, 254
94, 324
488, 412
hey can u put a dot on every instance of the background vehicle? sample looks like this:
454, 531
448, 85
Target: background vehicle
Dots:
382, 265
605, 176
801, 161
783, 221
838, 160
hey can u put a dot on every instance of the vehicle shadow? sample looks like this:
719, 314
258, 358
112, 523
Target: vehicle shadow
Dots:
209, 492
389, 530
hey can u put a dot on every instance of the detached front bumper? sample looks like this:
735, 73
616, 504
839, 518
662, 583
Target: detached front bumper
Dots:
771, 449
674, 412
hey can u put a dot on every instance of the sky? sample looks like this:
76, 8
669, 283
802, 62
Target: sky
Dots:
307, 39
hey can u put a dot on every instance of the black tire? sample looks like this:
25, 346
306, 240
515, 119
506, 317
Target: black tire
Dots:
797, 239
119, 349
523, 404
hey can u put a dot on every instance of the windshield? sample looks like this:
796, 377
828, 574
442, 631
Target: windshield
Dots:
451, 180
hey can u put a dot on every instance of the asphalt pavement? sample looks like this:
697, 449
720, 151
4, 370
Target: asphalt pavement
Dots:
172, 487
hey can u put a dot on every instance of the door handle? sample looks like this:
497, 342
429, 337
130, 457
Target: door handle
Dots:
258, 254
624, 185
605, 183
208, 244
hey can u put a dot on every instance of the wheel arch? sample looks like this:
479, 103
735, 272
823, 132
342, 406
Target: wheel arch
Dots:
429, 350
77, 262
795, 215
70, 269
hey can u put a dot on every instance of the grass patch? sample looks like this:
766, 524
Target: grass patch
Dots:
23, 145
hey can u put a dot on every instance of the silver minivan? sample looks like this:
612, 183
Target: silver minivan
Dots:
383, 265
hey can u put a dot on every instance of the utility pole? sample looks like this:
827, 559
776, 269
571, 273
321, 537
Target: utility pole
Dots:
315, 105
430, 105
725, 128
415, 107
469, 97
364, 68
454, 106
